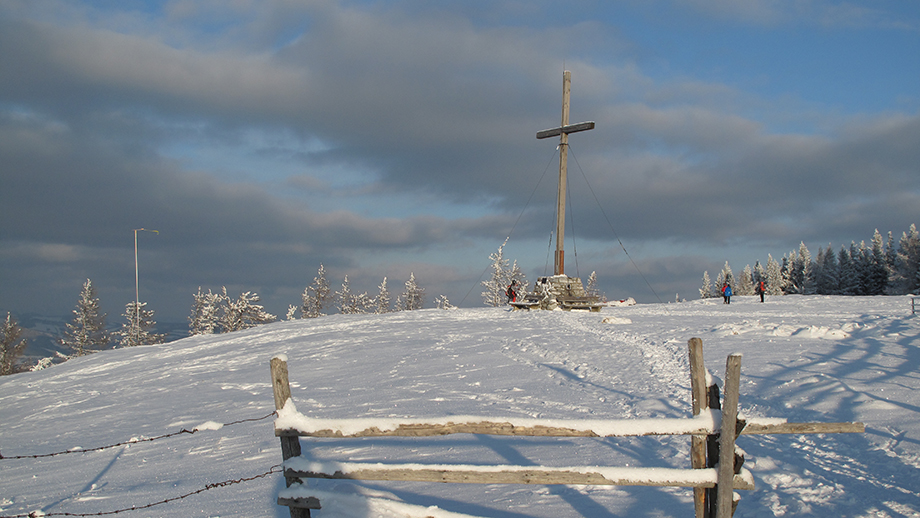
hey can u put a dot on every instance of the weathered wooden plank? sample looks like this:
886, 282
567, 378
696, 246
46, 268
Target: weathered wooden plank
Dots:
789, 428
506, 428
726, 468
699, 401
310, 502
528, 475
630, 428
290, 446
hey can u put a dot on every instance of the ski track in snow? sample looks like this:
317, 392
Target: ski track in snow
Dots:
805, 358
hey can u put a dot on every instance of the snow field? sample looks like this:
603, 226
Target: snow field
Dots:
805, 358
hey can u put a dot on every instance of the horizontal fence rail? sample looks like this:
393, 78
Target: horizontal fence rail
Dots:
290, 423
498, 474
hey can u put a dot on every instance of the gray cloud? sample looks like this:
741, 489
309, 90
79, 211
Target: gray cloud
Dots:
109, 122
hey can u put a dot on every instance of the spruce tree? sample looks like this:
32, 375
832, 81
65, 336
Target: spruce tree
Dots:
496, 286
848, 277
350, 303
242, 313
138, 329
760, 273
861, 262
86, 333
746, 281
829, 283
414, 296
891, 260
774, 276
11, 347
877, 267
591, 290
725, 277
382, 302
316, 296
344, 300
205, 313
908, 261
706, 288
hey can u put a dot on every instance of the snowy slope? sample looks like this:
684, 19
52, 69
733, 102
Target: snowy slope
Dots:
805, 358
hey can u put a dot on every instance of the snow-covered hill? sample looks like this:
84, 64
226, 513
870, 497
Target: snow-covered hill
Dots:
805, 358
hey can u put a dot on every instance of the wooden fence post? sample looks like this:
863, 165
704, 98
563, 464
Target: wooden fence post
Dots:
290, 446
699, 401
725, 491
714, 398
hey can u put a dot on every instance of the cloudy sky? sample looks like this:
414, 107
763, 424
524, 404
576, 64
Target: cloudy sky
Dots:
263, 138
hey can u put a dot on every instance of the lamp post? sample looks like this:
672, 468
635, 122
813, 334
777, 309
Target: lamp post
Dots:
137, 296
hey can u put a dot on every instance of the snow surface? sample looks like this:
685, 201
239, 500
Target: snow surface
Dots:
806, 359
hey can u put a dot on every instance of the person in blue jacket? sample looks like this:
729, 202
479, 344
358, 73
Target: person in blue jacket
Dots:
727, 293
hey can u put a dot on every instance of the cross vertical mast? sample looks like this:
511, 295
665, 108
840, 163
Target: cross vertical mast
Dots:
563, 133
559, 261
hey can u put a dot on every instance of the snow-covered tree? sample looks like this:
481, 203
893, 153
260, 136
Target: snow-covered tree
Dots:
497, 285
242, 313
316, 296
725, 277
774, 279
382, 302
860, 255
805, 269
848, 273
760, 273
592, 290
441, 302
11, 346
916, 291
828, 280
349, 303
291, 312
86, 333
138, 329
891, 258
907, 263
344, 301
205, 313
44, 363
746, 281
799, 275
706, 288
877, 267
414, 296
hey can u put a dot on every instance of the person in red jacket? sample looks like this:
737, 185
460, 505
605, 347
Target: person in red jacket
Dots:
761, 289
512, 293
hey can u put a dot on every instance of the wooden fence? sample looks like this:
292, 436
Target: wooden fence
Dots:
716, 466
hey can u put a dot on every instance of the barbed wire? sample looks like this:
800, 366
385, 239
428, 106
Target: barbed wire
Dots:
132, 441
36, 514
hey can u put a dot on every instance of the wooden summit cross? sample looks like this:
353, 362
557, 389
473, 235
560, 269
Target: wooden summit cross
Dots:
563, 133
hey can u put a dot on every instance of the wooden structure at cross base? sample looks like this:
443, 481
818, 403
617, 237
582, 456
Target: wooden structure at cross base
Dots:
558, 292
561, 291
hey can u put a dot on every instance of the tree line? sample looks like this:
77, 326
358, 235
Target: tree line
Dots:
880, 267
211, 313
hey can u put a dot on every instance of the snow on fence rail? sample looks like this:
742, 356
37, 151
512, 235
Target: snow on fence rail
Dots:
716, 464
